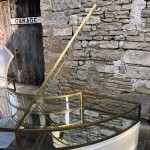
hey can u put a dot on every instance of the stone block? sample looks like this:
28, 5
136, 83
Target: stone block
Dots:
108, 38
123, 17
98, 38
84, 36
66, 85
81, 62
137, 57
71, 64
94, 28
136, 72
93, 20
62, 31
93, 43
122, 12
98, 32
116, 33
59, 5
87, 28
103, 3
78, 88
103, 68
84, 43
87, 65
147, 25
110, 20
77, 45
52, 86
132, 32
109, 44
114, 7
54, 18
135, 38
146, 13
53, 44
81, 54
105, 55
120, 38
109, 15
77, 82
125, 21
110, 26
64, 88
104, 44
50, 60
46, 5
81, 75
143, 90
148, 4
147, 37
87, 10
147, 20
136, 45
73, 19
126, 7
122, 1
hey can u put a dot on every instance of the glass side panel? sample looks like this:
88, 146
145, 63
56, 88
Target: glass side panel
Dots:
13, 107
97, 132
34, 118
66, 117
61, 103
5, 58
7, 140
97, 120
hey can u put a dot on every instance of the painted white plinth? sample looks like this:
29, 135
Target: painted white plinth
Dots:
125, 141
5, 58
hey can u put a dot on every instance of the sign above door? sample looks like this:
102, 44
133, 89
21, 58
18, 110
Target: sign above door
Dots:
28, 20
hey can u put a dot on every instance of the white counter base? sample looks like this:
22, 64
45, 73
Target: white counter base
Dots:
125, 141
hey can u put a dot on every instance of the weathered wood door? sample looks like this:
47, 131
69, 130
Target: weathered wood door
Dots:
26, 43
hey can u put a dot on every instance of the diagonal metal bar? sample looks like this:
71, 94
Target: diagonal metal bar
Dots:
64, 52
39, 91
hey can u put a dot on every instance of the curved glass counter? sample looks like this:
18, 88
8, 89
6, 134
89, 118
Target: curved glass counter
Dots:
63, 122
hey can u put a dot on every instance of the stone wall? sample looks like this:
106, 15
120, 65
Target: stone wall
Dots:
111, 54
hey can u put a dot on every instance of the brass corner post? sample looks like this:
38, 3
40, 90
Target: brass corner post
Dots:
18, 141
39, 91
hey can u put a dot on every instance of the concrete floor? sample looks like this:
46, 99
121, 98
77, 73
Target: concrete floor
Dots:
144, 136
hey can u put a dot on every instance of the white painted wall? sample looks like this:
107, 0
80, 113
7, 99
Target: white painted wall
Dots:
125, 141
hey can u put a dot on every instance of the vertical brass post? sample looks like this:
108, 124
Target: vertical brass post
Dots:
18, 141
82, 107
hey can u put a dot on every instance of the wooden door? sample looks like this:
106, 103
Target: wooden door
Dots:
26, 43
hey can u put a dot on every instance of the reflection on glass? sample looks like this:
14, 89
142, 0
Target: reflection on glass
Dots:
5, 59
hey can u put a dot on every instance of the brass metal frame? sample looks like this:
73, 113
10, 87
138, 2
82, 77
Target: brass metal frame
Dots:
75, 125
39, 91
47, 129
38, 100
64, 96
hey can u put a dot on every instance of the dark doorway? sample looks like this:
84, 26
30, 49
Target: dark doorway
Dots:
26, 43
